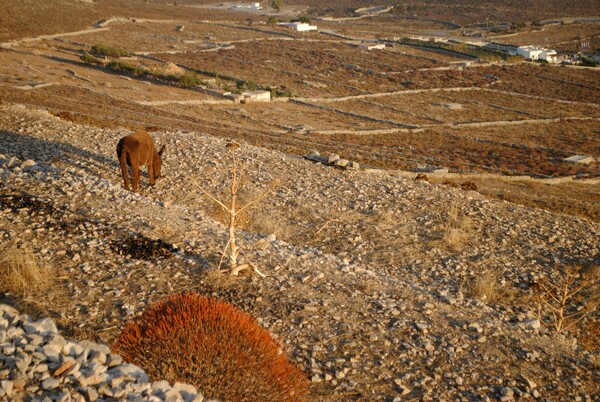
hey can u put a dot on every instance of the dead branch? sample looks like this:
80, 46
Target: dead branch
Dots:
231, 211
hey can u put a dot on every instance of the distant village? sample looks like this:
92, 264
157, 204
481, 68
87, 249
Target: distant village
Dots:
527, 52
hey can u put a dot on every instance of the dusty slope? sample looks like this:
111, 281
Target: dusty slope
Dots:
364, 280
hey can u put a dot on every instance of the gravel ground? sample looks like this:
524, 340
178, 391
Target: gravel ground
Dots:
370, 276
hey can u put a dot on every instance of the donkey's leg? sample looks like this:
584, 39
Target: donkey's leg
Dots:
124, 169
125, 173
151, 172
136, 176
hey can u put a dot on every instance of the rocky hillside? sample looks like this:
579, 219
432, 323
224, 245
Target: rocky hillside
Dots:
373, 280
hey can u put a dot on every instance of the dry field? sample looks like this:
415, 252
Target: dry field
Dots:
281, 117
567, 37
308, 68
442, 59
562, 83
385, 26
428, 108
158, 36
466, 12
31, 18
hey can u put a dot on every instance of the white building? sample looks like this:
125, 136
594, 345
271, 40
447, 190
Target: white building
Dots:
538, 53
551, 56
530, 52
300, 26
257, 96
372, 46
251, 6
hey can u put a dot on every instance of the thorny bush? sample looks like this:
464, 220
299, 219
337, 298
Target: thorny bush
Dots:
221, 350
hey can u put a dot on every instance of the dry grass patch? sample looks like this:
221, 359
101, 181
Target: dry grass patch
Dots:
217, 279
217, 213
165, 232
20, 273
390, 239
295, 223
484, 287
487, 287
458, 232
267, 222
589, 336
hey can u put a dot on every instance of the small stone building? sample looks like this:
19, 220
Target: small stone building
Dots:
257, 96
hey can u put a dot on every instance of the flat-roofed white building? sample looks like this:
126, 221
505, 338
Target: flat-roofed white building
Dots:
251, 6
257, 96
551, 56
372, 46
530, 52
539, 53
300, 26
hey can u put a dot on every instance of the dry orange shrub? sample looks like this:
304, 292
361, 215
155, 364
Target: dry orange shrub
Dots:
214, 346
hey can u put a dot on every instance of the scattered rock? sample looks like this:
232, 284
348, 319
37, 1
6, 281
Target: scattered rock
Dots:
84, 378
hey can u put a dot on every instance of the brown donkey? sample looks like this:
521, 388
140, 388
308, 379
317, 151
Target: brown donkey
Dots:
137, 150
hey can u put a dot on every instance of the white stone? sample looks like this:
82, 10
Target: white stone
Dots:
531, 323
333, 158
187, 391
42, 327
129, 370
52, 353
28, 164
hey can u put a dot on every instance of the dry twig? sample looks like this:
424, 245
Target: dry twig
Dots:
232, 211
569, 300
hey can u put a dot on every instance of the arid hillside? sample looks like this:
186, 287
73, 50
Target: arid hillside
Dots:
421, 218
377, 285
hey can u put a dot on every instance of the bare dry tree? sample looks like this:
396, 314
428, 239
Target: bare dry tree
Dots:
568, 300
231, 212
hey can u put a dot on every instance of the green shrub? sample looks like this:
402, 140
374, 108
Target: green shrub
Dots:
281, 93
588, 62
89, 59
276, 4
246, 85
190, 79
214, 346
118, 65
272, 20
167, 77
103, 50
303, 19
